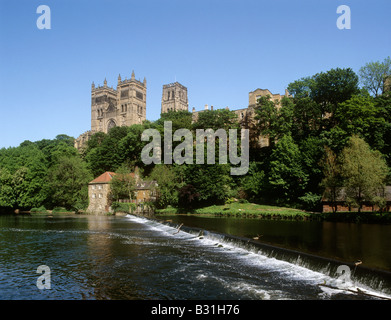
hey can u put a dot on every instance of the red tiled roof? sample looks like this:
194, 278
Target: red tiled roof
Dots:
104, 178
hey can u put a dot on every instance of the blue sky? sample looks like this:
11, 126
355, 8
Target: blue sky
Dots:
219, 49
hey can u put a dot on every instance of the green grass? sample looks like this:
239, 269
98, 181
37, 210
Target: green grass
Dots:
245, 210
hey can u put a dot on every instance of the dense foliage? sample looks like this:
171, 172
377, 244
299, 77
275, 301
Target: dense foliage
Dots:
329, 127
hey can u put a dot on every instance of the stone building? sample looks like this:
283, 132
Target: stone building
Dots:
246, 116
123, 106
99, 193
174, 98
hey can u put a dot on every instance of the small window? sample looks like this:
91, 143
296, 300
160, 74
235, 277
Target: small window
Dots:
100, 187
100, 196
93, 196
93, 187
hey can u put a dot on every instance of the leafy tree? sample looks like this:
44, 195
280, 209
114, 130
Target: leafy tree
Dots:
364, 172
7, 195
103, 153
168, 184
360, 116
327, 90
212, 183
253, 183
273, 121
68, 180
123, 184
301, 88
373, 75
307, 118
217, 119
131, 145
287, 177
333, 87
180, 120
332, 181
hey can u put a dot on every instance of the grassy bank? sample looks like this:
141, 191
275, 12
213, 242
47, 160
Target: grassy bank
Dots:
244, 210
251, 210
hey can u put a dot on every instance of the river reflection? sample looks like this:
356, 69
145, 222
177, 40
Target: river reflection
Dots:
349, 242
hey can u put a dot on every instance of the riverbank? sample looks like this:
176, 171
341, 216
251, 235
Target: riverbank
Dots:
242, 210
252, 210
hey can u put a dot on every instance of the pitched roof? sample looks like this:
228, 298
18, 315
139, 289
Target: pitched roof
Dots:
104, 178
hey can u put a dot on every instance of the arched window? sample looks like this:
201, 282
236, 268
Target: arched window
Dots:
111, 124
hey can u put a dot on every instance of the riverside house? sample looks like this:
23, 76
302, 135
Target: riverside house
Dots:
99, 193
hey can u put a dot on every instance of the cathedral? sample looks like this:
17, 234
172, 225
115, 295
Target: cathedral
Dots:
126, 105
123, 106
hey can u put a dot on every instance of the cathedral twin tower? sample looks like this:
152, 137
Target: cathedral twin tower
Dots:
126, 105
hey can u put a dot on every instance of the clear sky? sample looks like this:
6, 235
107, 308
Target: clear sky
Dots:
219, 49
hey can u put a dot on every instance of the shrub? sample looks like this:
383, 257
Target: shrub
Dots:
123, 207
41, 209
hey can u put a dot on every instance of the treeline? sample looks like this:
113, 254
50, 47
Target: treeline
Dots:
331, 133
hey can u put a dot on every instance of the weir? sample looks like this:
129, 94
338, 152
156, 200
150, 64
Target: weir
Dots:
361, 276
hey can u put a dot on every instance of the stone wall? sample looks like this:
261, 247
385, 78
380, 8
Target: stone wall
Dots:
99, 198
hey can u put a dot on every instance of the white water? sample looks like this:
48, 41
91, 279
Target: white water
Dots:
269, 268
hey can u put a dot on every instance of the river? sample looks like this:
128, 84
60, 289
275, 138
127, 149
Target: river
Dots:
134, 258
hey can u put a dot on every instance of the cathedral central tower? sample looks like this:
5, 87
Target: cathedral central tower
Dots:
174, 97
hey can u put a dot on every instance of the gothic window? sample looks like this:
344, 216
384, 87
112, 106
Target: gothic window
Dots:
124, 94
111, 124
139, 95
173, 95
168, 95
111, 108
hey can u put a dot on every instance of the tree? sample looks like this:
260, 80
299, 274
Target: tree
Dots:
332, 182
364, 172
103, 153
287, 177
122, 186
274, 121
327, 90
68, 181
217, 119
167, 185
333, 87
373, 75
359, 115
307, 118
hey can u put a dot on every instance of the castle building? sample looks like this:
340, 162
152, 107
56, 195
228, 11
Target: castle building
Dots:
174, 98
246, 116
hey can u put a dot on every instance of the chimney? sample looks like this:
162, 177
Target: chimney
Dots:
211, 107
206, 107
193, 109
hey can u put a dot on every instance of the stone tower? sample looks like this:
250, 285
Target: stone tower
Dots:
123, 106
174, 97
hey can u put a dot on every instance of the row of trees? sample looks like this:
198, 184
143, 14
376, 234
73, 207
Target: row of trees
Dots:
318, 136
